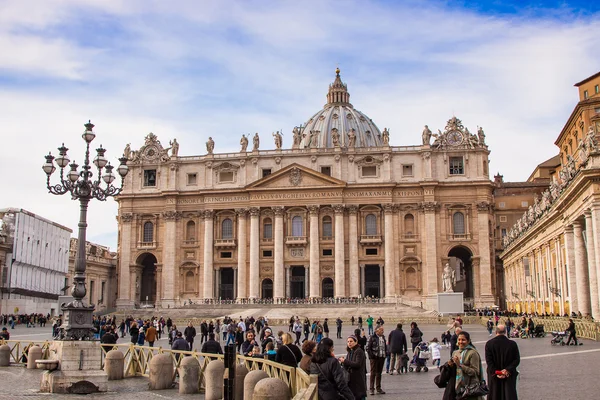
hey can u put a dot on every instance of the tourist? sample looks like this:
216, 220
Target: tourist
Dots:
122, 328
308, 348
338, 324
572, 333
398, 346
211, 346
370, 324
360, 322
502, 355
468, 364
355, 363
134, 331
380, 321
306, 328
362, 338
332, 384
297, 328
203, 331
435, 351
179, 343
530, 327
352, 320
490, 325
416, 336
239, 338
109, 339
249, 344
218, 330
5, 335
141, 337
270, 352
291, 324
326, 328
454, 340
190, 334
377, 351
288, 354
269, 338
151, 335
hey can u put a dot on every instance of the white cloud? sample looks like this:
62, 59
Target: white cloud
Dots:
193, 69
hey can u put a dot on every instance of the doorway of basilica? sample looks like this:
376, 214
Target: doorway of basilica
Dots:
460, 261
372, 281
298, 282
148, 279
226, 279
267, 289
327, 288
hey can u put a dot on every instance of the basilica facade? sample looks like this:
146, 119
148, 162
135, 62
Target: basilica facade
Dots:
340, 214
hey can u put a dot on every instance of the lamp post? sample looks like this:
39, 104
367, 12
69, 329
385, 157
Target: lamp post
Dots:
77, 324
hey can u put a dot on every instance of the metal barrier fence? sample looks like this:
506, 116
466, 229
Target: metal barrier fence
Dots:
138, 358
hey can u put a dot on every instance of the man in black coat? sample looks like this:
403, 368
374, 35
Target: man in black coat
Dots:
502, 358
211, 345
398, 346
190, 334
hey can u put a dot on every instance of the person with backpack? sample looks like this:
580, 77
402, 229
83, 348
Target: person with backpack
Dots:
416, 336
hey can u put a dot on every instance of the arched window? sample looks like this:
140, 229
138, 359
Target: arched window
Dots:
297, 226
190, 231
409, 225
189, 281
327, 228
458, 223
267, 228
227, 229
371, 224
148, 232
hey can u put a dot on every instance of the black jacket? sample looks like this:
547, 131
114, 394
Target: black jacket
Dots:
134, 332
502, 353
212, 346
373, 346
416, 336
356, 365
189, 333
331, 380
180, 344
397, 341
289, 354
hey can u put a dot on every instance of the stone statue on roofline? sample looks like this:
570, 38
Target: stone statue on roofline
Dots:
385, 137
426, 136
255, 142
278, 140
174, 148
127, 151
244, 143
210, 145
481, 136
351, 138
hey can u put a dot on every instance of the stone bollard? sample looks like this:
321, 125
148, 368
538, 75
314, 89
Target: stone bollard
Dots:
114, 364
214, 380
4, 355
250, 382
34, 354
189, 374
240, 373
271, 389
161, 372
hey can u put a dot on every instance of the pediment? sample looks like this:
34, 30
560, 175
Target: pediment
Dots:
296, 177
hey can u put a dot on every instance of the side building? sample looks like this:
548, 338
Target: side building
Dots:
551, 254
35, 255
340, 214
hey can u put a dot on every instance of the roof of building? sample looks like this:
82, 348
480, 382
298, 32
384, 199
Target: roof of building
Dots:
587, 79
339, 116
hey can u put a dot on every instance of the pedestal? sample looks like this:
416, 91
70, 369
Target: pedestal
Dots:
79, 371
450, 303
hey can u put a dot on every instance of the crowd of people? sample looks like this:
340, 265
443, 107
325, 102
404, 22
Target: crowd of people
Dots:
29, 320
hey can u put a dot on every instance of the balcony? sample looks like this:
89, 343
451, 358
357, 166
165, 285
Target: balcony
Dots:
190, 243
225, 243
410, 236
370, 239
458, 237
266, 241
146, 245
295, 240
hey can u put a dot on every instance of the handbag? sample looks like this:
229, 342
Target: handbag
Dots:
475, 389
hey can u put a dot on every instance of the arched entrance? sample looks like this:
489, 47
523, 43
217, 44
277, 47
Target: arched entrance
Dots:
267, 289
460, 261
327, 288
226, 282
147, 286
372, 281
298, 282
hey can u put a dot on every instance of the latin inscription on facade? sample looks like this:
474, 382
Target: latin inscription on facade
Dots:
297, 252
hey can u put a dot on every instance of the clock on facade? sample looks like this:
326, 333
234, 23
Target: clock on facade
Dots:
455, 138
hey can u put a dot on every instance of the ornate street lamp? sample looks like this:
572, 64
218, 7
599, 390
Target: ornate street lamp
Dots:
77, 324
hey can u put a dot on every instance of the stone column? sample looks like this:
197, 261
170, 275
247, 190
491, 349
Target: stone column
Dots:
314, 252
382, 291
485, 269
235, 285
208, 253
288, 282
353, 250
278, 276
167, 295
254, 248
306, 280
126, 296
217, 286
595, 228
242, 276
583, 280
390, 283
431, 259
591, 258
340, 258
159, 284
571, 273
362, 280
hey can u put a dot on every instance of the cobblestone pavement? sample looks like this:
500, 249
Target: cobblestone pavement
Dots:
547, 372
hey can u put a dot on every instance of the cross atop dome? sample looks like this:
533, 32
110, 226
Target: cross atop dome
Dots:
338, 92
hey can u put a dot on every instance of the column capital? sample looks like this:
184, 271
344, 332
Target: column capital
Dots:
208, 214
352, 210
388, 208
254, 211
577, 224
338, 208
171, 215
588, 213
483, 206
569, 229
278, 210
241, 212
313, 209
429, 206
127, 217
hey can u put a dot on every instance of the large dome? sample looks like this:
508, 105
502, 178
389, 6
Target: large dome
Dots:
339, 117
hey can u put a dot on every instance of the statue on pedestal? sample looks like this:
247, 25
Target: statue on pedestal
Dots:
278, 140
426, 136
244, 143
210, 145
174, 148
255, 142
448, 279
386, 137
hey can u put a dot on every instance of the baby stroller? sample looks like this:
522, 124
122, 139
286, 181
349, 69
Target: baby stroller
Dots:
558, 338
420, 357
538, 331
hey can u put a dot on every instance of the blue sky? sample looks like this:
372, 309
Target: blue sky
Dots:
193, 69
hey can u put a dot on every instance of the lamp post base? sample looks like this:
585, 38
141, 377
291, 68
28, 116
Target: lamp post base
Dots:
77, 323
